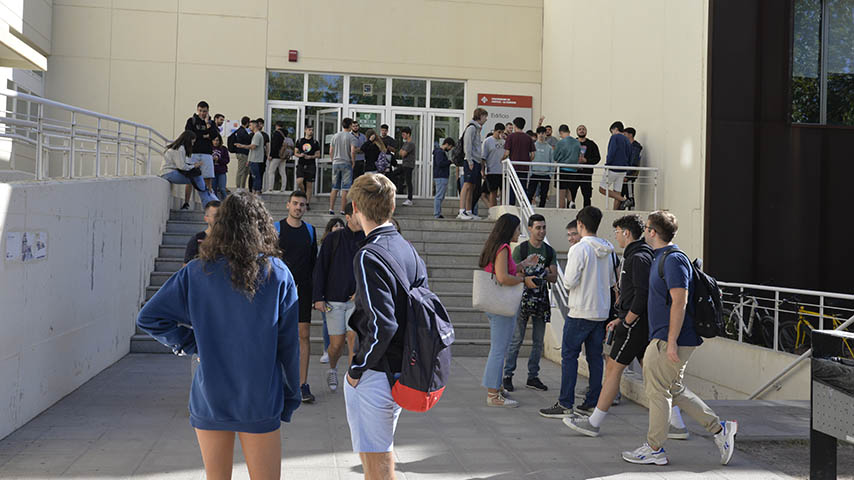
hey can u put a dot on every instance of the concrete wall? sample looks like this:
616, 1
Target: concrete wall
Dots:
25, 33
607, 60
144, 60
69, 316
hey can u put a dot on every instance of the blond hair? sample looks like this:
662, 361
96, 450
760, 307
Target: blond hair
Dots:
373, 194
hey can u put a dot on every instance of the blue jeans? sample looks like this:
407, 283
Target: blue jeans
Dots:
256, 169
219, 185
441, 188
342, 176
179, 178
578, 331
500, 332
537, 336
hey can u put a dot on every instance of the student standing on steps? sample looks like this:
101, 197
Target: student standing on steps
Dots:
473, 165
334, 287
245, 333
672, 342
298, 241
334, 223
588, 280
342, 151
541, 259
192, 250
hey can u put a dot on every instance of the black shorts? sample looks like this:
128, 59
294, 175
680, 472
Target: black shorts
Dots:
306, 172
305, 303
493, 182
565, 179
630, 343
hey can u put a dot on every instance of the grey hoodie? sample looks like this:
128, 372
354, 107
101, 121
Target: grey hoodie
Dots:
472, 142
588, 277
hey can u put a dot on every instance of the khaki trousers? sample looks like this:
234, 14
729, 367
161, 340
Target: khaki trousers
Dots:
242, 169
662, 381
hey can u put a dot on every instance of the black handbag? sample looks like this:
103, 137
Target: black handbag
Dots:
191, 173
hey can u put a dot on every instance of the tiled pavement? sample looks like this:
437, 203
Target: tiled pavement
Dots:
131, 421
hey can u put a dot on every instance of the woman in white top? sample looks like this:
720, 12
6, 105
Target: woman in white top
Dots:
177, 166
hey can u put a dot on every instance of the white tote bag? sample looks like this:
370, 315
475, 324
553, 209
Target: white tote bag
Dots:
489, 296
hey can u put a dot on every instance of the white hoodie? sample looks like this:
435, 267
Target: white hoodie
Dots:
588, 278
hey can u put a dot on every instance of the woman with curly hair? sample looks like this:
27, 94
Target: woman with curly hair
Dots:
236, 307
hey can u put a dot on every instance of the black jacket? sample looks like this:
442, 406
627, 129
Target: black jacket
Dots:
334, 280
380, 316
634, 279
242, 137
205, 133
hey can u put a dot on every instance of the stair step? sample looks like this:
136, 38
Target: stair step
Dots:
407, 225
141, 343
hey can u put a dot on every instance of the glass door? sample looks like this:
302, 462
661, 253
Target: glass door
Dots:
415, 122
290, 117
443, 126
327, 122
369, 119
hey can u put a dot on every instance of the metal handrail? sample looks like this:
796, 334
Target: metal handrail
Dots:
647, 176
80, 144
511, 181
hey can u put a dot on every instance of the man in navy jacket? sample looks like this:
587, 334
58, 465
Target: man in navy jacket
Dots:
372, 413
619, 155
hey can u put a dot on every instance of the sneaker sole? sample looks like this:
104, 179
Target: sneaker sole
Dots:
503, 406
537, 388
653, 461
586, 413
678, 436
555, 415
568, 423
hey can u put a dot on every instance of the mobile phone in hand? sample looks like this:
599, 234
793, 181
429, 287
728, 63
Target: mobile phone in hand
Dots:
610, 339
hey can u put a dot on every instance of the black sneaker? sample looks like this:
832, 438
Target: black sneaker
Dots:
185, 206
536, 384
307, 397
556, 411
508, 384
585, 409
332, 212
623, 205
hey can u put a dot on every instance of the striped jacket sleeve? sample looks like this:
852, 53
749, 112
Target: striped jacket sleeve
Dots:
375, 294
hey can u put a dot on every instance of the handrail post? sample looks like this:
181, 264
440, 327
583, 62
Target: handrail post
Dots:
776, 319
98, 151
72, 149
740, 311
148, 159
135, 140
655, 192
821, 312
118, 147
40, 174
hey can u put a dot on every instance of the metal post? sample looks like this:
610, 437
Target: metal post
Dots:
148, 158
135, 140
71, 155
40, 170
821, 312
655, 192
98, 151
740, 311
118, 146
776, 318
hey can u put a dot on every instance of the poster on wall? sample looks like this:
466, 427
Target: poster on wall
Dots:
25, 247
504, 108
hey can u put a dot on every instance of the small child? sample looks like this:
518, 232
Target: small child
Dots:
441, 172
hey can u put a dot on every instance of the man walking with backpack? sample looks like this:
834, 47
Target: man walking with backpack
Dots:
673, 339
334, 287
238, 144
281, 151
539, 260
588, 279
472, 148
634, 161
389, 274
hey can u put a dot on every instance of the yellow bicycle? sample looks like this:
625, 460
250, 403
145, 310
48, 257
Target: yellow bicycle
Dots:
794, 335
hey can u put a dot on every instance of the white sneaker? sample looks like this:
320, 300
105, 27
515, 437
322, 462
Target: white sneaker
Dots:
464, 216
500, 401
645, 455
407, 203
475, 217
725, 440
332, 379
571, 204
324, 358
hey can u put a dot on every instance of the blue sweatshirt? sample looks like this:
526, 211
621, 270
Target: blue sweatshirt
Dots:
248, 375
441, 164
619, 151
334, 280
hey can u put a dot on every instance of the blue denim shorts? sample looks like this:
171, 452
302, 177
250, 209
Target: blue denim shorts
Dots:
371, 413
207, 166
342, 176
336, 319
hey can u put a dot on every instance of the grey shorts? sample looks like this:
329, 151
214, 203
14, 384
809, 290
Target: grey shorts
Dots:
336, 319
371, 412
207, 166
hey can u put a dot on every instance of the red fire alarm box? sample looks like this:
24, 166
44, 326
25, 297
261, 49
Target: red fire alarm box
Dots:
292, 55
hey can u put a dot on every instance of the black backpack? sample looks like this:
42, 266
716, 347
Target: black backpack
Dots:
426, 362
231, 140
707, 298
458, 153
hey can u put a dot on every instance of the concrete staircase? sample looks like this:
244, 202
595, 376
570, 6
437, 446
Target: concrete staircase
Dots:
449, 247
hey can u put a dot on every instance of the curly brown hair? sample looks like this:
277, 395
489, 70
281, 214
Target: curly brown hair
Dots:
244, 234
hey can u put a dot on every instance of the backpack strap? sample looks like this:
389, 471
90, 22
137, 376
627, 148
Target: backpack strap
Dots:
396, 268
278, 226
550, 255
664, 259
523, 250
310, 228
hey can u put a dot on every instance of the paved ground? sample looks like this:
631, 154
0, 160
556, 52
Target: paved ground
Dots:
131, 421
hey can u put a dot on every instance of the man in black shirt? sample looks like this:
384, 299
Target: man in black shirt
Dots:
390, 142
205, 129
242, 138
278, 162
192, 250
307, 150
267, 158
298, 241
584, 177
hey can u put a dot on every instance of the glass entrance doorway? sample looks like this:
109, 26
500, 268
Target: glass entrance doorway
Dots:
327, 122
442, 127
413, 120
290, 117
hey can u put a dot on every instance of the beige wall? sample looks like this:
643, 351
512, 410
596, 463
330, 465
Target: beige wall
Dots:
153, 61
608, 60
25, 33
